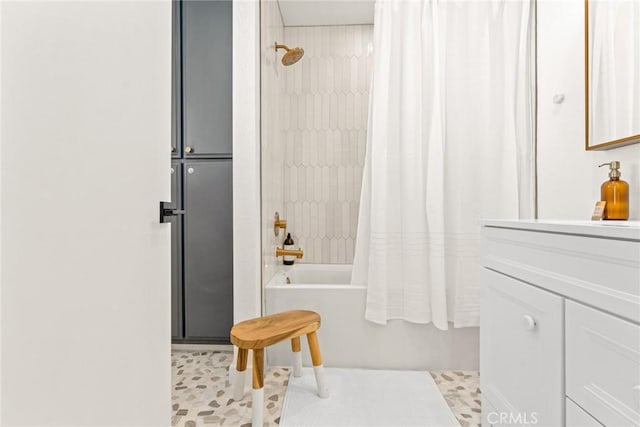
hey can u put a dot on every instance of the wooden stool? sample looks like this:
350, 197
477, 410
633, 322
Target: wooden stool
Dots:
256, 334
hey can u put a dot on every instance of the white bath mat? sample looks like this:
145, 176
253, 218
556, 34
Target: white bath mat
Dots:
362, 398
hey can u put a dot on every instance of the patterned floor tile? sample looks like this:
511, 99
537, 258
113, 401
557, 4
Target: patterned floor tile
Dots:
461, 390
203, 396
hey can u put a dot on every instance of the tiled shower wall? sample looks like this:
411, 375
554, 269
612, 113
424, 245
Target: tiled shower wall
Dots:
324, 117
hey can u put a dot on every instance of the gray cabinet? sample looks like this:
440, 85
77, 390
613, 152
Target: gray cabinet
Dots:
208, 246
202, 238
176, 250
206, 78
176, 78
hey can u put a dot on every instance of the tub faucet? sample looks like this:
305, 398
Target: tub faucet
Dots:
289, 252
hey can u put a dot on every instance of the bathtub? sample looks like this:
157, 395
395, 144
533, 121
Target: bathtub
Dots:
348, 340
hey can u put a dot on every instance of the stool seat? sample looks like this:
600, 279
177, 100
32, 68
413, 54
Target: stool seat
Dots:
268, 330
257, 334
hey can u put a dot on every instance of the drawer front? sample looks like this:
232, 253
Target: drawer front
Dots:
576, 417
578, 267
521, 349
603, 365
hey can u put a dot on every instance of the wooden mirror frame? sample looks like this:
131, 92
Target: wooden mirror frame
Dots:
607, 145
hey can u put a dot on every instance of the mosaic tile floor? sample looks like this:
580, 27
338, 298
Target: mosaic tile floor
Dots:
461, 390
202, 394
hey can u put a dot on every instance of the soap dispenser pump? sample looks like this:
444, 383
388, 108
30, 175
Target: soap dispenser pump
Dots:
616, 193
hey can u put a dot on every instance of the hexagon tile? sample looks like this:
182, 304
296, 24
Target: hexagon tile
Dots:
324, 110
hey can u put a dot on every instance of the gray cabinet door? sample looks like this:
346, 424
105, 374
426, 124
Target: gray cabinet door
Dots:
208, 246
207, 50
176, 82
176, 251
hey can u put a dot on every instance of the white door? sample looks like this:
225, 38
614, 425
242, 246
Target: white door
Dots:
85, 263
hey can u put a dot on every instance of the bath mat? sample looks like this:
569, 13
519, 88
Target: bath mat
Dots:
363, 398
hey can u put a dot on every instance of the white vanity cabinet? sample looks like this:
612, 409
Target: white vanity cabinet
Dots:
560, 323
521, 339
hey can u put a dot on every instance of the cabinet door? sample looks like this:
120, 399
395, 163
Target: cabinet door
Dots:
206, 30
577, 417
521, 350
176, 79
490, 417
208, 250
176, 251
603, 365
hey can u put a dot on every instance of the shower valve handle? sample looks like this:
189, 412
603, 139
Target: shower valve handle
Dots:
278, 224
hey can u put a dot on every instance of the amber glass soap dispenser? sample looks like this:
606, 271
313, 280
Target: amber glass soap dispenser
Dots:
616, 193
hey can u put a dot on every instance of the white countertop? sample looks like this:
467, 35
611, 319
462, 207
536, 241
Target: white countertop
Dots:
608, 229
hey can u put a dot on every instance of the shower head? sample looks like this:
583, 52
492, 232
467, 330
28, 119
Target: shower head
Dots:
292, 56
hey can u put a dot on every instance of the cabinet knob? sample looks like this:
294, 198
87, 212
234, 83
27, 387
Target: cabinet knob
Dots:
188, 149
529, 322
190, 171
173, 149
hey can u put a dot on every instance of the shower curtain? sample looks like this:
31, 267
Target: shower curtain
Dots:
449, 142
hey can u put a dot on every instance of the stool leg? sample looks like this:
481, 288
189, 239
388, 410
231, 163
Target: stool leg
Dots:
297, 356
241, 370
318, 369
257, 394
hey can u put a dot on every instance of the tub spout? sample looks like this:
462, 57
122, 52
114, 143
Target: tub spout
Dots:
289, 252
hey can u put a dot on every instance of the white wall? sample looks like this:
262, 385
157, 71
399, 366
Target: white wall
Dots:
568, 177
86, 97
272, 86
325, 106
247, 297
1, 142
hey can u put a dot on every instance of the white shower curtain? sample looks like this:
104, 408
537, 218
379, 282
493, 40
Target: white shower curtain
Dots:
449, 142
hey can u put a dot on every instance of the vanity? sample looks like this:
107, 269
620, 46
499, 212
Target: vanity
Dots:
560, 323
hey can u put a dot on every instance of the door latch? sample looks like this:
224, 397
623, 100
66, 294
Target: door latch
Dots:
166, 211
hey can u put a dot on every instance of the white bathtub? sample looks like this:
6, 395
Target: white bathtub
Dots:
348, 340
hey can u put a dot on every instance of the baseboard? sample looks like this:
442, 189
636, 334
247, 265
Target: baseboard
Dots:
201, 347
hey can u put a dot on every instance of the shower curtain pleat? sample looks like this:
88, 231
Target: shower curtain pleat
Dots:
449, 142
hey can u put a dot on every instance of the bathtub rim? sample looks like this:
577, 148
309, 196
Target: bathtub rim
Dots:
278, 279
313, 286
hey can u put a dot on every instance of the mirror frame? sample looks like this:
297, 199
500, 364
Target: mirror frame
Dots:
633, 139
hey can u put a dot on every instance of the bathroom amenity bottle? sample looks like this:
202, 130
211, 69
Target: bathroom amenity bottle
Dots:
616, 193
288, 244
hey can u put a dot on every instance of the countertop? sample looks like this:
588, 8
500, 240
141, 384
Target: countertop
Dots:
628, 230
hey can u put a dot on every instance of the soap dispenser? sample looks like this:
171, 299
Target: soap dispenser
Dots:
616, 193
288, 245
